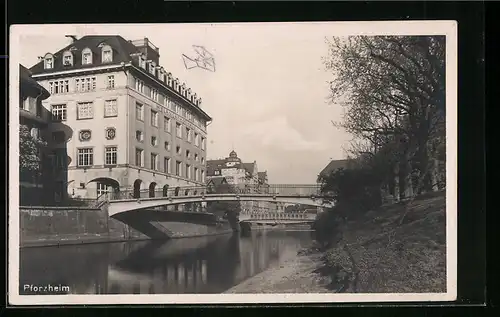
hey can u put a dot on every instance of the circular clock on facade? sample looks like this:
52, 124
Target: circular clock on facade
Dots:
85, 135
110, 133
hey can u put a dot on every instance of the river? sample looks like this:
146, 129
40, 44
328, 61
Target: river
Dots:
204, 265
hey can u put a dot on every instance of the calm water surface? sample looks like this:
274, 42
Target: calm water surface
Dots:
192, 265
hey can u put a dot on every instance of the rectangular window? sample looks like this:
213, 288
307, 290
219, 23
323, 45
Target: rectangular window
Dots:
107, 56
139, 111
203, 143
110, 108
86, 58
101, 189
110, 82
139, 153
58, 112
154, 161
154, 94
154, 118
188, 171
154, 141
202, 160
85, 110
188, 154
196, 157
188, 134
195, 174
196, 139
139, 136
85, 84
166, 125
202, 176
85, 157
139, 85
167, 102
59, 86
178, 127
166, 165
178, 168
178, 150
167, 146
110, 155
178, 109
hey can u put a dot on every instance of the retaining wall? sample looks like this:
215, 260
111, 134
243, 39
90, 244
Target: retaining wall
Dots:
40, 226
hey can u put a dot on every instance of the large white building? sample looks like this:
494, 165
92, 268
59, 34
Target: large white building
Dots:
135, 127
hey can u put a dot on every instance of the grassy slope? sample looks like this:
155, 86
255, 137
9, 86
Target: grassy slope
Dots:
377, 254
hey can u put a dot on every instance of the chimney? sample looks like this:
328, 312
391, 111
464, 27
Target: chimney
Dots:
40, 58
72, 37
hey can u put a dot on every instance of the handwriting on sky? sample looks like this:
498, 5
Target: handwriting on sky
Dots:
201, 58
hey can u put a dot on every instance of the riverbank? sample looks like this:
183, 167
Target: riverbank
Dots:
298, 274
375, 253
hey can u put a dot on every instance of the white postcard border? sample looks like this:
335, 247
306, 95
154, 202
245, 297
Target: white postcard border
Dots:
448, 28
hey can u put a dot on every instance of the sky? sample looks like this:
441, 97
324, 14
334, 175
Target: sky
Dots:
268, 96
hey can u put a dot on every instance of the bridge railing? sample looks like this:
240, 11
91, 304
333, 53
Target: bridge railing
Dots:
275, 190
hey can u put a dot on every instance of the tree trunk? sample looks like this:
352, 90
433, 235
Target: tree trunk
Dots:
396, 190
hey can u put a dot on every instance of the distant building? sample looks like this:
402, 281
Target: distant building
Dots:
335, 165
47, 186
235, 172
136, 127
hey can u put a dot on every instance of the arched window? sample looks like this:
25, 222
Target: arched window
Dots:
86, 56
107, 54
68, 58
48, 61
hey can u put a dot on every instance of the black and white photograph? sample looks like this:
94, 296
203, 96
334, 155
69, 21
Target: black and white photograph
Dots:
223, 163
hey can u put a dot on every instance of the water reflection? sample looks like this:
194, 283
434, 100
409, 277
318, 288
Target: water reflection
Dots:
195, 265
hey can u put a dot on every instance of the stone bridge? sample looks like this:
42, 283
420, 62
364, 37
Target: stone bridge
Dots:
146, 211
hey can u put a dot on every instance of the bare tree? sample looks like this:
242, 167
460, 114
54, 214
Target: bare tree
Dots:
392, 89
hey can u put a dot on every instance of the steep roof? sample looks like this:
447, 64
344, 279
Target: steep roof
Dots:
213, 165
249, 167
217, 180
335, 165
121, 53
26, 81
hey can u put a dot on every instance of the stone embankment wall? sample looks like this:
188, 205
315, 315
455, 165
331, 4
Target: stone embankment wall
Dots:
41, 226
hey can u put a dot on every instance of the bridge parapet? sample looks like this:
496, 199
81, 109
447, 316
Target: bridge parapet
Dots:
275, 190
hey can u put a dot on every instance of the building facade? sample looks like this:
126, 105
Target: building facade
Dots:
45, 185
235, 172
136, 127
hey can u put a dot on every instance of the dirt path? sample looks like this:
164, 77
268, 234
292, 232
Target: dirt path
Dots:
293, 276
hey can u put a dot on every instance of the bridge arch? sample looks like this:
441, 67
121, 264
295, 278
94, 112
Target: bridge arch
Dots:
186, 192
152, 189
137, 188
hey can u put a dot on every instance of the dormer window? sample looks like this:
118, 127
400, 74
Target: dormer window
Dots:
176, 84
142, 61
183, 90
48, 61
107, 54
169, 79
86, 56
188, 94
68, 58
152, 67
